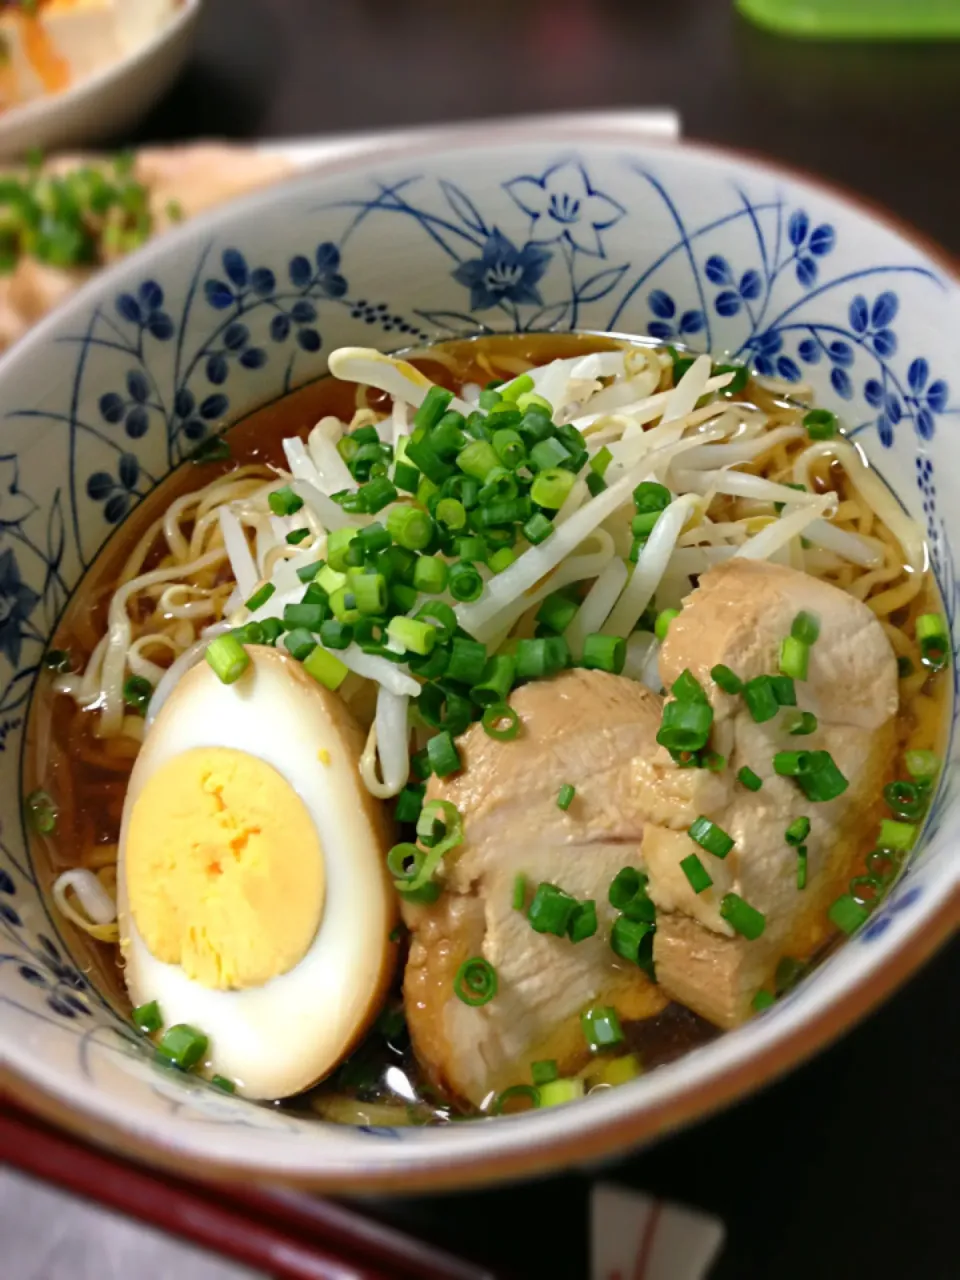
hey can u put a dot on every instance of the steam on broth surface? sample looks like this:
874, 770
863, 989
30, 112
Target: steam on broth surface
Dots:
576, 900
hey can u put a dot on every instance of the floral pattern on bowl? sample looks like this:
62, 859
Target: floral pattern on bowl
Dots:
227, 315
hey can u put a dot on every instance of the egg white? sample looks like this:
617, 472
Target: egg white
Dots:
279, 1038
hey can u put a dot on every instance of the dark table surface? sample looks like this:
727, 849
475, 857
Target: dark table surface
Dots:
848, 1167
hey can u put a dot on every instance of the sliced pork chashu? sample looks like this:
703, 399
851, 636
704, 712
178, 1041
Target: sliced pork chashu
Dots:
597, 732
738, 616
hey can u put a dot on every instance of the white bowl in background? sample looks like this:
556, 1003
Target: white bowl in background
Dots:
104, 104
498, 228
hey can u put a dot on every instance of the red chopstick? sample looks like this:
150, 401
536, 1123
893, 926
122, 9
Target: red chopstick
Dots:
286, 1234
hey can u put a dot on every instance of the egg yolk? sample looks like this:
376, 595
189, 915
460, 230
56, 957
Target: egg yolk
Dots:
224, 868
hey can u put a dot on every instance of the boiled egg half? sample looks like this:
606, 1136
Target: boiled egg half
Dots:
253, 898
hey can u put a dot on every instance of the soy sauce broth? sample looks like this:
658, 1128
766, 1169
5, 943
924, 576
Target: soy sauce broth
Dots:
87, 776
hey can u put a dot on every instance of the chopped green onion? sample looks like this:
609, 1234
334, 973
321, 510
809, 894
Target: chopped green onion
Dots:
530, 400
544, 1071
604, 653
471, 549
260, 598
821, 780
512, 391
805, 723
650, 496
330, 580
509, 447
628, 888
728, 681
601, 460
41, 812
272, 629
183, 1045
325, 667
632, 940
415, 636
464, 582
552, 486
531, 659
410, 802
432, 408
410, 527
848, 914
467, 660
662, 624
537, 529
335, 634
794, 658
444, 708
644, 524
519, 898
228, 658
904, 667
763, 1000
548, 454
696, 873
805, 627
442, 616
501, 722
922, 764
406, 477
565, 796
761, 699
373, 538
370, 592
551, 910
377, 494
496, 682
749, 779
422, 454
527, 1092
740, 375
905, 799
687, 688
223, 1084
298, 643
797, 831
583, 922
896, 835
303, 615
559, 1092
430, 574
284, 502
601, 1027
790, 764
447, 437
821, 424
801, 866
595, 484
309, 572
338, 543
557, 612
137, 692
443, 754
934, 641
478, 459
501, 560
742, 918
685, 726
451, 513
620, 1070
710, 837
58, 660
147, 1017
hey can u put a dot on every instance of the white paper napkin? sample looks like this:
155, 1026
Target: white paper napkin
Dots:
634, 1237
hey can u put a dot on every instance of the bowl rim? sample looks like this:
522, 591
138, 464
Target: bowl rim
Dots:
435, 1170
47, 105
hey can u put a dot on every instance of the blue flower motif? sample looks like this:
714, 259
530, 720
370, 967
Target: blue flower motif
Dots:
665, 310
503, 272
769, 358
194, 419
564, 206
241, 282
133, 410
809, 244
61, 981
882, 921
299, 320
15, 506
17, 602
872, 324
736, 292
146, 311
115, 494
927, 398
235, 345
322, 277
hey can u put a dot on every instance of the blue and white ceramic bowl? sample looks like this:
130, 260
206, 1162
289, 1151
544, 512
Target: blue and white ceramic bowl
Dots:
501, 230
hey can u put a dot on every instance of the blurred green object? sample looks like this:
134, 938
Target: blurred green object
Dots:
857, 19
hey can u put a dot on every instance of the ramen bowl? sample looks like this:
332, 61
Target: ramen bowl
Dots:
495, 231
